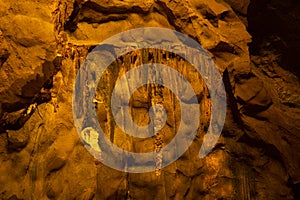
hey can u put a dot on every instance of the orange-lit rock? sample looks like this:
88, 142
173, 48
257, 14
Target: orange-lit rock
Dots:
42, 46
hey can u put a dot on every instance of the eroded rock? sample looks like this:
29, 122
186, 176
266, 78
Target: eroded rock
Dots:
258, 144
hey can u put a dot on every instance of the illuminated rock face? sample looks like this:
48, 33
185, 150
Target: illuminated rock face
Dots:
42, 46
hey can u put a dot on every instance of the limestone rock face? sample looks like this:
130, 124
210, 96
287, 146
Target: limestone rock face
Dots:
43, 45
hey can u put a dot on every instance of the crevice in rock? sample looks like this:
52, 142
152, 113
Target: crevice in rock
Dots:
232, 100
163, 8
71, 24
296, 190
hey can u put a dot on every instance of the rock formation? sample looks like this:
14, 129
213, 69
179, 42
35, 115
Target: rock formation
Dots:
42, 46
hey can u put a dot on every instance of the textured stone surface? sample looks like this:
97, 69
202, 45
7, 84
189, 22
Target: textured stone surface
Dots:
42, 46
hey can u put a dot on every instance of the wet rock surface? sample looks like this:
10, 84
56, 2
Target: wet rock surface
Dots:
43, 45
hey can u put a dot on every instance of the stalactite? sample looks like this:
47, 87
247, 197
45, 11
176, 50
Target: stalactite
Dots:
65, 50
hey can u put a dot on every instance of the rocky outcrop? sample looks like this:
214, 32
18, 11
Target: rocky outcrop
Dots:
42, 47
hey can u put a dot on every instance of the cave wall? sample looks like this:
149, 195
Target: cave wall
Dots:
274, 26
43, 45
